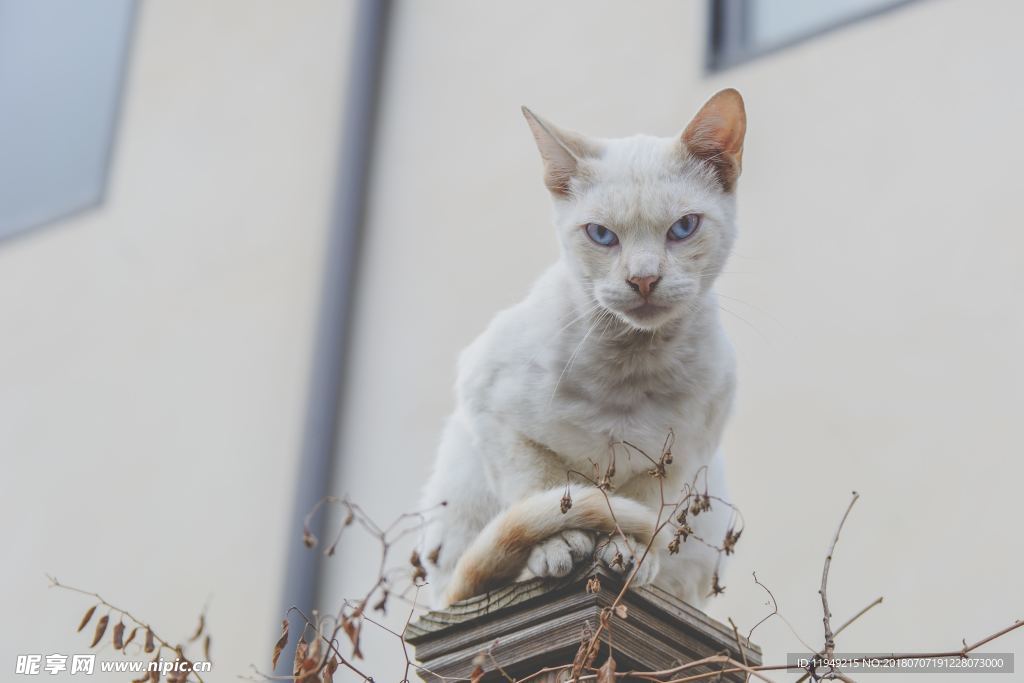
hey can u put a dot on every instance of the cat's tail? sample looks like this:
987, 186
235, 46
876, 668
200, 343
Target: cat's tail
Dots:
499, 553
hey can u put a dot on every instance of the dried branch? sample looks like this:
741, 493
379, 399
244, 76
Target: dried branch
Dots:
178, 651
319, 656
821, 653
830, 639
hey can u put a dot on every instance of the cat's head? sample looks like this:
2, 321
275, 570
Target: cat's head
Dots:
646, 223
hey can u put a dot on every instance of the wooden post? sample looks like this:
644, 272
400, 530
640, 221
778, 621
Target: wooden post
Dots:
527, 626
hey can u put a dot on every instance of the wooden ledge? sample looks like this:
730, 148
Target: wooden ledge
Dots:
534, 624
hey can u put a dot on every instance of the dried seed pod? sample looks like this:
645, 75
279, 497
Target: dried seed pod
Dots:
353, 629
179, 674
206, 648
327, 674
621, 611
280, 644
606, 674
618, 560
86, 617
119, 635
199, 628
101, 628
131, 637
315, 649
301, 649
382, 604
150, 645
585, 656
434, 555
731, 538
716, 588
419, 573
308, 537
566, 503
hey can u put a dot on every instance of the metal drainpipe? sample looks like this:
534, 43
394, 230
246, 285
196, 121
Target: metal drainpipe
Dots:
319, 443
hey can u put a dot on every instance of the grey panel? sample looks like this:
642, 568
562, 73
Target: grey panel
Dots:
61, 66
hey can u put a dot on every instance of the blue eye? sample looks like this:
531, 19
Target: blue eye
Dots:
684, 227
601, 235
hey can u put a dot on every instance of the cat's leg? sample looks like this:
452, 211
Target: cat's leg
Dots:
520, 467
689, 574
457, 504
557, 555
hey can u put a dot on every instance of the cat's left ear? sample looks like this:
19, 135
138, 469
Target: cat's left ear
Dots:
561, 151
715, 135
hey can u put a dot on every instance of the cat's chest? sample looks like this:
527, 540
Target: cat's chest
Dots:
587, 423
583, 400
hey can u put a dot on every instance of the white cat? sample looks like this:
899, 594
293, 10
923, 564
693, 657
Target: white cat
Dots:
618, 341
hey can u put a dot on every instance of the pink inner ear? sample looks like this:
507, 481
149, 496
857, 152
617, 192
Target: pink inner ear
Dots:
715, 135
560, 150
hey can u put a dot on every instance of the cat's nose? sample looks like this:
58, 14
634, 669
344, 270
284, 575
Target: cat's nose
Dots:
643, 285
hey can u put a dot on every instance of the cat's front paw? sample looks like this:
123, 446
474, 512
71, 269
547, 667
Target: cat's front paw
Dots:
557, 555
621, 557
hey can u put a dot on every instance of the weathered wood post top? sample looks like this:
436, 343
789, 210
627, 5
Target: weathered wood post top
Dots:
528, 626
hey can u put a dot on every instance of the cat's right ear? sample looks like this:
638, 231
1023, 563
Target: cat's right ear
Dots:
561, 151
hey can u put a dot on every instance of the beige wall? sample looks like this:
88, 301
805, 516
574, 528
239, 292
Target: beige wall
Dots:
154, 352
873, 297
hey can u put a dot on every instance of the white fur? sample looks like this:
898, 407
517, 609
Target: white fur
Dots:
555, 381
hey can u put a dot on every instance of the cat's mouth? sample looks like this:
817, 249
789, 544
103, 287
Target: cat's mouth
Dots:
645, 314
648, 312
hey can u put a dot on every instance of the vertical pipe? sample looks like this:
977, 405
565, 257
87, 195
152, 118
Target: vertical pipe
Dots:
319, 440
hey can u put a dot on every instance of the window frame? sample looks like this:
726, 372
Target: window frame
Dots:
729, 43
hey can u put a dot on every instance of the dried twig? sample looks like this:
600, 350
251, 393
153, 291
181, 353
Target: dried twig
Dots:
820, 653
151, 638
830, 639
317, 660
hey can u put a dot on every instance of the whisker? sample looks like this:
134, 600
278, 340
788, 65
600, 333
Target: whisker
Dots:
563, 328
573, 356
753, 306
747, 323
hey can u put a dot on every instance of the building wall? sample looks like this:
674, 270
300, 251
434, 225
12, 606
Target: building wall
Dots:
872, 297
155, 350
154, 354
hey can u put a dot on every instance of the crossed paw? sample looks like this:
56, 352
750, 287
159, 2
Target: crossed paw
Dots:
557, 555
621, 557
